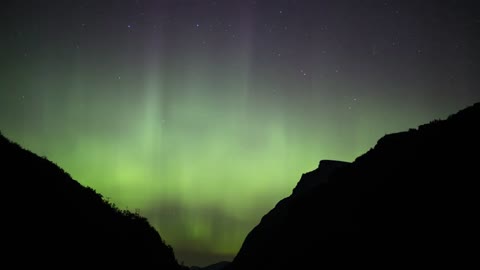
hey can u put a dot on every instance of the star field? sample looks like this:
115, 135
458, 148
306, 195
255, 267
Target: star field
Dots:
204, 114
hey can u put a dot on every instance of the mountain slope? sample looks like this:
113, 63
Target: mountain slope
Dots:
216, 266
50, 220
406, 202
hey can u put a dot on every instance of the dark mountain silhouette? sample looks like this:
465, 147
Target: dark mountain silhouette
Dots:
407, 202
310, 180
216, 266
51, 221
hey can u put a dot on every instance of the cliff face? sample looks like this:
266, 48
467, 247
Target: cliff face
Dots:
266, 235
312, 179
408, 201
50, 220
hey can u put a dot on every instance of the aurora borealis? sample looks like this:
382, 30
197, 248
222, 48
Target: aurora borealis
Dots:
203, 114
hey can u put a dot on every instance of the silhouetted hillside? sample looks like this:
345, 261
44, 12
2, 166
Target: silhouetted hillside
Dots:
216, 266
310, 180
51, 221
407, 202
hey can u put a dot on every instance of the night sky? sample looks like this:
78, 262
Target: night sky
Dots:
203, 114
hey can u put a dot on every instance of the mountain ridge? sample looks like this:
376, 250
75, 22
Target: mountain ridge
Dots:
386, 208
54, 221
409, 200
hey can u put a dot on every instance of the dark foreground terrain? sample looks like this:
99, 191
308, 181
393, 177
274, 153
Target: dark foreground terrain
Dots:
51, 221
409, 201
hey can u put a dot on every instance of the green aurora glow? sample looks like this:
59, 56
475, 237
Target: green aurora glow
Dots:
204, 140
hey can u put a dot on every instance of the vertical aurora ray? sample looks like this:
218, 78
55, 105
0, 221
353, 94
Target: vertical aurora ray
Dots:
204, 114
